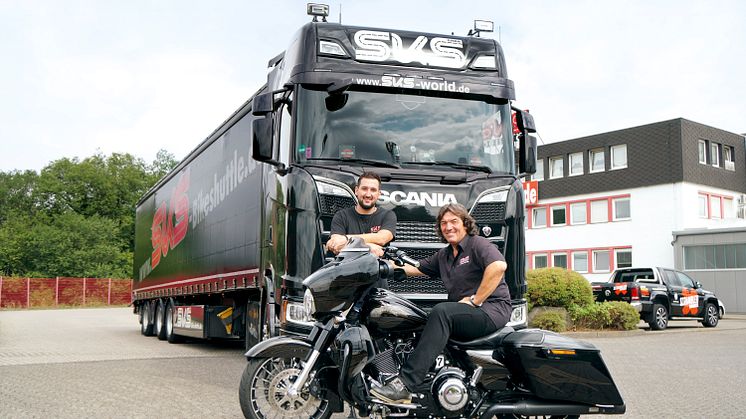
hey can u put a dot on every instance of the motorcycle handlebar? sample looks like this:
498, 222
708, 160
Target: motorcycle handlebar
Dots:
399, 257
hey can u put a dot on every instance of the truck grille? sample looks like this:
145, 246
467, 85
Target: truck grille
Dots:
489, 212
418, 284
331, 204
416, 231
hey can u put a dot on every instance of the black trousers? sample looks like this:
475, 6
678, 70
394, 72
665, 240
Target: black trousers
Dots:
447, 320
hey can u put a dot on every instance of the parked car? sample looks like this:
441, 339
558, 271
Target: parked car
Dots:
661, 294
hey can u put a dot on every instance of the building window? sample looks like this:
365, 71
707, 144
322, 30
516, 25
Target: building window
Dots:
540, 261
599, 211
715, 207
580, 262
619, 156
556, 167
576, 164
578, 213
623, 258
712, 257
715, 154
596, 160
559, 217
728, 161
559, 260
540, 217
601, 261
728, 208
702, 147
702, 201
621, 209
539, 175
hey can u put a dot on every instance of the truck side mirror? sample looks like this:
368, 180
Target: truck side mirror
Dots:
527, 154
261, 149
263, 104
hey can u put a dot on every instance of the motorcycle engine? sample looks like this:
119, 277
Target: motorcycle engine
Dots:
449, 388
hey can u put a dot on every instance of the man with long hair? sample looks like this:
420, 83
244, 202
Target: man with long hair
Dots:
472, 269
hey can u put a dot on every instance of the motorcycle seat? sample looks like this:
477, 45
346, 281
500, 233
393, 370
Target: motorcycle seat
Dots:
490, 341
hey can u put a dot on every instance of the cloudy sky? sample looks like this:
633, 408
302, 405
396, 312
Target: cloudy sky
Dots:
80, 77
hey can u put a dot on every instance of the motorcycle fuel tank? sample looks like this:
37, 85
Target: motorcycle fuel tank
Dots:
386, 312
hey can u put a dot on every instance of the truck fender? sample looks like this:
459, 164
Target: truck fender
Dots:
281, 346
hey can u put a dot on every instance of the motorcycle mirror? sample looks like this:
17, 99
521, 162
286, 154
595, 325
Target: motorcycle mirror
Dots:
399, 274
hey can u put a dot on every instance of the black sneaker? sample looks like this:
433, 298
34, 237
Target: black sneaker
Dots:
393, 392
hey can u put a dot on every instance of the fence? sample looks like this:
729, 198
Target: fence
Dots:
50, 292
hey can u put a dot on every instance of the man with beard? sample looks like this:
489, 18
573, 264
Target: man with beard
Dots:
375, 225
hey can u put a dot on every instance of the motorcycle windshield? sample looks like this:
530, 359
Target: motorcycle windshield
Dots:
337, 285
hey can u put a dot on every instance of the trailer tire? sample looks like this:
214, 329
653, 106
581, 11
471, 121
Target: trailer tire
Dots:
169, 324
160, 320
146, 325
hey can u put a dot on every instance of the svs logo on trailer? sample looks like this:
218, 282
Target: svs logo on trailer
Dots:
170, 222
384, 46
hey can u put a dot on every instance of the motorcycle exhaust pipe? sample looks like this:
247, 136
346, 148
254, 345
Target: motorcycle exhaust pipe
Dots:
542, 408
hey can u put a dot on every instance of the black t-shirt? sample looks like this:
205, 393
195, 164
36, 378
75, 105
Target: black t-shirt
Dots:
348, 221
463, 274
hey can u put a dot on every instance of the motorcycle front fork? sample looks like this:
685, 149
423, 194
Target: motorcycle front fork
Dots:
322, 334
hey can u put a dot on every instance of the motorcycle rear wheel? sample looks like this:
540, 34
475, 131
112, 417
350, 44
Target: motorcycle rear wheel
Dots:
263, 391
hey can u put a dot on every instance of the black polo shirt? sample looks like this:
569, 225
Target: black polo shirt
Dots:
463, 274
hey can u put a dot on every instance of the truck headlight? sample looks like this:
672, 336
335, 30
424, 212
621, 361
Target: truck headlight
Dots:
327, 188
497, 196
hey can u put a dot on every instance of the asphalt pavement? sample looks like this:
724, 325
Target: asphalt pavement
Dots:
93, 363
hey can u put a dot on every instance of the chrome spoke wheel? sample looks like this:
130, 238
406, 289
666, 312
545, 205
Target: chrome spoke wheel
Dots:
267, 393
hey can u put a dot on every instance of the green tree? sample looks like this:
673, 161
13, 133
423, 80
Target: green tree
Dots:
75, 218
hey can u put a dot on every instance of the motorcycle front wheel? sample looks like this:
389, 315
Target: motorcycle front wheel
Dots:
263, 392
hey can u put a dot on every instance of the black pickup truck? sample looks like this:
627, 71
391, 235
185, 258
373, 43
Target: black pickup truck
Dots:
660, 294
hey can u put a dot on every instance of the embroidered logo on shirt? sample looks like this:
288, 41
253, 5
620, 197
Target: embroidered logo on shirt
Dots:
463, 260
375, 229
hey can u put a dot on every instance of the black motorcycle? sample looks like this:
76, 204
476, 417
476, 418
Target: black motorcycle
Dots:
363, 335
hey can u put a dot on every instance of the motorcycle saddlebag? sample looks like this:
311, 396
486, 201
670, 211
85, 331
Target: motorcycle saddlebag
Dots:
556, 367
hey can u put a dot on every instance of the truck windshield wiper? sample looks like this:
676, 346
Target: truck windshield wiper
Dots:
377, 163
451, 164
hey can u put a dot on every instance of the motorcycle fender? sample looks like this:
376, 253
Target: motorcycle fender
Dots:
280, 347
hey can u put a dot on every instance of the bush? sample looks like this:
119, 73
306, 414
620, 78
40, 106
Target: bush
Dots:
557, 287
550, 320
616, 315
593, 316
623, 316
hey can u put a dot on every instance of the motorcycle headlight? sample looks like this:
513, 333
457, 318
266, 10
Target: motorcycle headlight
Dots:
308, 303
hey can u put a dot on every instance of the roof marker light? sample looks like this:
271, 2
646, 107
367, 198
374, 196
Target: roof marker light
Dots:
486, 62
331, 48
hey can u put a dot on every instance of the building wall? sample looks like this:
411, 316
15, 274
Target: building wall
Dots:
706, 174
729, 285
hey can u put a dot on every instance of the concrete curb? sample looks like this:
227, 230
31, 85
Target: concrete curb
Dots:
604, 333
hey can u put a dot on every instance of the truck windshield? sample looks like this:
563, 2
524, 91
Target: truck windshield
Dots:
395, 130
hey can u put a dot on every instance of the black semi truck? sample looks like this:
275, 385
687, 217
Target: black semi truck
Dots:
224, 240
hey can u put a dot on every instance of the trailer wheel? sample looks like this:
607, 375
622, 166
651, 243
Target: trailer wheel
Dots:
263, 391
169, 324
160, 316
146, 325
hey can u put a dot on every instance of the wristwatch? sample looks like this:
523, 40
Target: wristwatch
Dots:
471, 300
